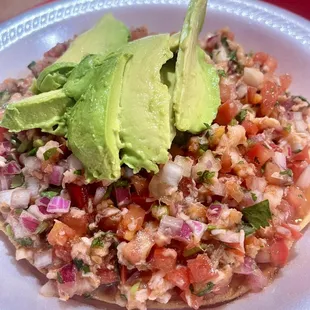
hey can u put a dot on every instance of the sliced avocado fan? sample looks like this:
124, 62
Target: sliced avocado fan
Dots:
93, 124
145, 105
196, 94
45, 111
105, 37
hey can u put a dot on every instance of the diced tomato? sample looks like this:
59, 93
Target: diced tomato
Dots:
279, 253
297, 168
295, 196
250, 128
124, 274
270, 169
110, 223
164, 259
259, 154
78, 224
303, 155
63, 252
141, 201
226, 112
226, 90
133, 218
192, 300
108, 276
226, 163
78, 195
251, 94
2, 132
271, 63
285, 81
140, 184
179, 277
185, 185
200, 269
260, 57
60, 234
270, 95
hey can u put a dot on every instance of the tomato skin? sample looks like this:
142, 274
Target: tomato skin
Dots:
2, 132
226, 112
271, 63
107, 276
140, 184
78, 224
297, 167
60, 234
163, 260
259, 154
179, 277
134, 215
251, 94
63, 252
141, 201
285, 81
185, 185
192, 300
279, 253
303, 155
270, 94
260, 57
250, 128
110, 223
78, 195
295, 197
200, 269
270, 169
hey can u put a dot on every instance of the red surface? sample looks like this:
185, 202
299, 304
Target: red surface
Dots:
300, 7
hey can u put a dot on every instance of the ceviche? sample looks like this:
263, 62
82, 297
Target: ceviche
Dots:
144, 169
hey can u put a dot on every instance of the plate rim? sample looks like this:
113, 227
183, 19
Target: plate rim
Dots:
46, 15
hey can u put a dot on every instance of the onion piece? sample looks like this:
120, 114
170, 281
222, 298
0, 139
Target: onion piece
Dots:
280, 160
28, 221
122, 195
170, 226
4, 183
42, 201
5, 147
32, 163
11, 168
18, 230
49, 289
253, 77
5, 197
40, 212
214, 211
20, 198
300, 126
185, 163
58, 205
304, 179
74, 163
56, 176
33, 185
43, 259
247, 267
171, 174
99, 194
197, 228
257, 280
185, 233
263, 257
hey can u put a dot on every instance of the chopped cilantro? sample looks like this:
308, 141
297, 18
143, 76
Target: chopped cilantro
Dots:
233, 122
221, 73
204, 291
96, 243
121, 183
17, 181
288, 172
254, 196
32, 152
9, 231
42, 227
25, 242
49, 153
248, 229
59, 278
263, 168
38, 143
87, 295
241, 162
50, 194
288, 128
224, 42
79, 264
123, 296
205, 176
258, 214
134, 288
77, 172
233, 56
208, 127
302, 98
108, 192
203, 147
297, 151
241, 115
32, 64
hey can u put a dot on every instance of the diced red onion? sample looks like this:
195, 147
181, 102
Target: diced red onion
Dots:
171, 174
28, 221
247, 267
32, 163
214, 212
4, 182
43, 259
257, 280
40, 212
128, 172
99, 194
58, 205
56, 175
42, 201
5, 147
287, 104
297, 116
185, 233
122, 195
171, 226
304, 179
33, 185
226, 235
263, 257
280, 160
300, 126
20, 198
197, 228
6, 196
49, 289
212, 42
185, 163
11, 168
74, 163
68, 273
18, 230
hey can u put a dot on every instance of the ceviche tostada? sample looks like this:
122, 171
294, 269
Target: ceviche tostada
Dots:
154, 170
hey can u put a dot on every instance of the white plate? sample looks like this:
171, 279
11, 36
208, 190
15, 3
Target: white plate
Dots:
258, 26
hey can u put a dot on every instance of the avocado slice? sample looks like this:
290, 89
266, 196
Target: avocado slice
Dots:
82, 75
54, 76
106, 36
145, 105
93, 124
45, 111
196, 96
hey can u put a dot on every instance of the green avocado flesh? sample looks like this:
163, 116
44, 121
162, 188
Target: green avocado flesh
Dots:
93, 124
45, 111
105, 37
196, 95
145, 105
